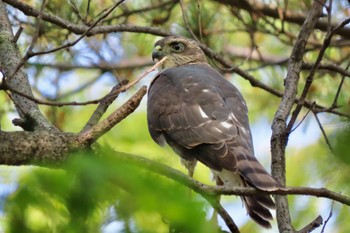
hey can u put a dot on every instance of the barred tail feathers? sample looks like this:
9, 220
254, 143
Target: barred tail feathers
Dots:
257, 206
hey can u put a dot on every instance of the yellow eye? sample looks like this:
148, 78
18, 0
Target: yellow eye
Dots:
177, 47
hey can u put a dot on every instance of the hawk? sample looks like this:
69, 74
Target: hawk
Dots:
203, 117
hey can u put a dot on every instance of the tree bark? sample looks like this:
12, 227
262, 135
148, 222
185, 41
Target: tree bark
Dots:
279, 138
21, 147
31, 117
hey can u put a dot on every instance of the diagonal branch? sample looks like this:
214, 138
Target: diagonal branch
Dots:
31, 117
91, 135
102, 107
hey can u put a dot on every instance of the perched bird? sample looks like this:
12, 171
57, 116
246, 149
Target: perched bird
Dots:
203, 117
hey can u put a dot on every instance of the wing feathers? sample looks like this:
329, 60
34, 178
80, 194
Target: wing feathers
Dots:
202, 116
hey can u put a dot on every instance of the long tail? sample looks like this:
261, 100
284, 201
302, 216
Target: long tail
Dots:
253, 174
258, 207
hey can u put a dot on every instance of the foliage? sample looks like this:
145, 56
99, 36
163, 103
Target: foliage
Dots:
90, 191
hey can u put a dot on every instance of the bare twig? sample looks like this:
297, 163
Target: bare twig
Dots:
130, 84
91, 135
34, 39
69, 44
199, 9
302, 120
335, 101
312, 226
125, 64
96, 101
265, 9
18, 34
323, 131
184, 17
102, 107
310, 77
290, 16
223, 214
87, 11
75, 10
328, 67
328, 218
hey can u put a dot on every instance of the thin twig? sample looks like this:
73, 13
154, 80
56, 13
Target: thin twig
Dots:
335, 101
34, 39
312, 226
67, 45
96, 101
311, 75
323, 131
328, 218
18, 34
75, 9
200, 20
184, 17
223, 214
302, 120
329, 16
87, 11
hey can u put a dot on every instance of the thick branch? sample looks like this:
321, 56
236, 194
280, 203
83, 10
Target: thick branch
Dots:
31, 117
21, 147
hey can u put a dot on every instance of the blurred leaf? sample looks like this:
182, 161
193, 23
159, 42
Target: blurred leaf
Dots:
78, 197
340, 142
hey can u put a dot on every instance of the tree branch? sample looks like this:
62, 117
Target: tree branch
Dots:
31, 117
311, 75
279, 136
103, 106
289, 16
21, 147
198, 187
81, 28
312, 226
91, 135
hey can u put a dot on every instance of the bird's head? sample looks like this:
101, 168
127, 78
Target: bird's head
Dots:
179, 51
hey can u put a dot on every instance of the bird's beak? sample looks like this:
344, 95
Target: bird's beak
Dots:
157, 53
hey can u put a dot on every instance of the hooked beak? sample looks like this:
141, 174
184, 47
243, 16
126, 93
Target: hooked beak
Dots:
157, 53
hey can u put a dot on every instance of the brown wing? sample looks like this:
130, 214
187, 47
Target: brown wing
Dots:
201, 115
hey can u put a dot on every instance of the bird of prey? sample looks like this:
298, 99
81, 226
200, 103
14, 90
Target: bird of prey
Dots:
203, 117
